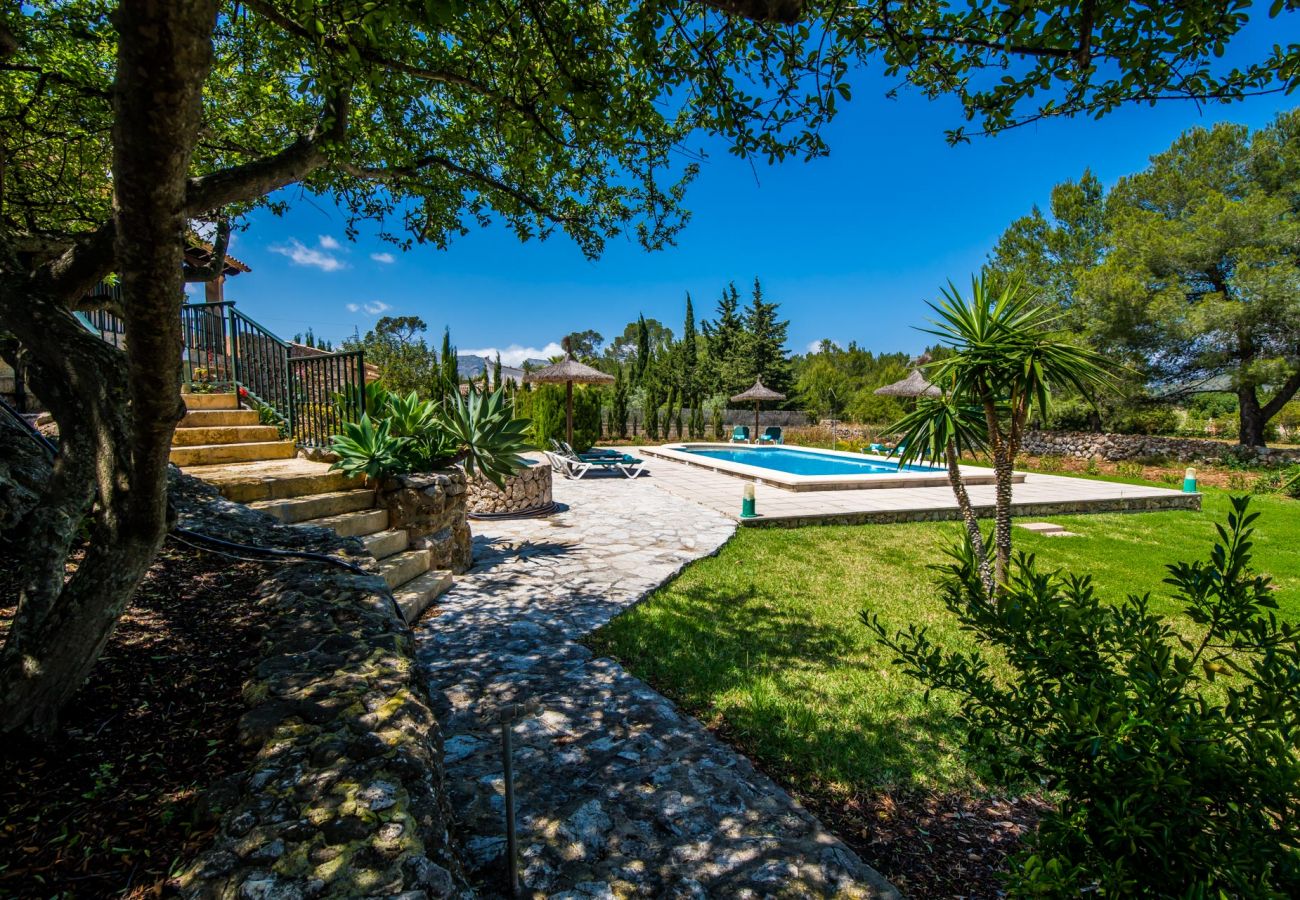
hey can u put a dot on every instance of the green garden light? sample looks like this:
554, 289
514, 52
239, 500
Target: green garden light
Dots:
747, 501
1189, 481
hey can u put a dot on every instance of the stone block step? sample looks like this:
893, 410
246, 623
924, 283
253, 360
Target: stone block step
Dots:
383, 544
402, 567
211, 401
300, 509
361, 523
192, 436
414, 597
206, 418
275, 479
214, 454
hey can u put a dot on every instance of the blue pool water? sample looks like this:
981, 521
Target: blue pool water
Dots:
801, 462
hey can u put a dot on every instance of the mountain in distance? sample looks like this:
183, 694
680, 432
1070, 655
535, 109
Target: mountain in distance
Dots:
471, 366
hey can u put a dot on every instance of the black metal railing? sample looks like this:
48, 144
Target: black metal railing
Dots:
261, 365
207, 355
328, 390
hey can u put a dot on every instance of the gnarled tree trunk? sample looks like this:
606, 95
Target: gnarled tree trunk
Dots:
116, 415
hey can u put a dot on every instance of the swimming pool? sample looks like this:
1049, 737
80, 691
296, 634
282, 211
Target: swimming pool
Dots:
805, 469
798, 461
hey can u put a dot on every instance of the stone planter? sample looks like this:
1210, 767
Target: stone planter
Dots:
431, 507
528, 491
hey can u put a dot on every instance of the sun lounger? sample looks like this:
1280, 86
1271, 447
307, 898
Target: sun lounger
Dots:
576, 467
740, 434
771, 435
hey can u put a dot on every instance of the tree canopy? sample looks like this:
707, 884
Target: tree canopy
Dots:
1187, 272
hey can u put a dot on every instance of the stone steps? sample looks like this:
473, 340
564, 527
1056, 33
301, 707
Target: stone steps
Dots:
414, 597
361, 523
403, 567
215, 454
315, 506
383, 544
207, 418
196, 435
277, 479
211, 401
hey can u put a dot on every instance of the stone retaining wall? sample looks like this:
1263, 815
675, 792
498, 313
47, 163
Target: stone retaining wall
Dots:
432, 508
345, 797
1116, 447
528, 489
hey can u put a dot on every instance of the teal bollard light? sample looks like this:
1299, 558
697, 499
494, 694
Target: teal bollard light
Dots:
747, 501
1189, 481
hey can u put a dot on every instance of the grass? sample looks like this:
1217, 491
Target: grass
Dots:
763, 641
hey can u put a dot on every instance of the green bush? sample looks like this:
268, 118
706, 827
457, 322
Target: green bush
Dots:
586, 418
1145, 420
1172, 754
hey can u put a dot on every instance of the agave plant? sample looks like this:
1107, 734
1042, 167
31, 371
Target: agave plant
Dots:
490, 438
369, 449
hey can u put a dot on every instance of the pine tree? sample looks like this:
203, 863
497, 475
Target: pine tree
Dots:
496, 372
763, 346
724, 338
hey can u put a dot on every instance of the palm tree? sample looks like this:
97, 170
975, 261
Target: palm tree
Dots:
1006, 358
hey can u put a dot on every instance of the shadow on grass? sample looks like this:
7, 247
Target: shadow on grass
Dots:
815, 703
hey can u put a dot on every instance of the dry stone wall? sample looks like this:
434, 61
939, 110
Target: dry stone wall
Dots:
432, 508
1117, 447
345, 796
528, 489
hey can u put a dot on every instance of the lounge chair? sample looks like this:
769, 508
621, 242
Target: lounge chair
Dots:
576, 467
771, 435
593, 453
740, 434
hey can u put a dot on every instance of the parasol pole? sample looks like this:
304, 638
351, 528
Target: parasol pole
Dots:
568, 412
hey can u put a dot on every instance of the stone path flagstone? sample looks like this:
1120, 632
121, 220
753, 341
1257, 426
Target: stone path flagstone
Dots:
619, 793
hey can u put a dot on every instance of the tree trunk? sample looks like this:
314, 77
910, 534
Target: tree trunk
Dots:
968, 517
1251, 417
115, 420
1003, 466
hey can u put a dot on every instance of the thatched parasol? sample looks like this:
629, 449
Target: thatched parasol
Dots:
568, 372
913, 385
758, 393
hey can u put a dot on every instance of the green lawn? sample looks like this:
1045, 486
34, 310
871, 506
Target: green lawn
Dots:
764, 642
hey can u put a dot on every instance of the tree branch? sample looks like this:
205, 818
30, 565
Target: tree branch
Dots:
1284, 394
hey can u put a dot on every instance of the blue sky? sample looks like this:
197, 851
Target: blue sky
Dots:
851, 245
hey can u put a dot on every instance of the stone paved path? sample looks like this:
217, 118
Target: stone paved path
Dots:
619, 793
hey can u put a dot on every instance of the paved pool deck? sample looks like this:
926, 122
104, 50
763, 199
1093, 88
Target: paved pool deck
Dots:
1038, 495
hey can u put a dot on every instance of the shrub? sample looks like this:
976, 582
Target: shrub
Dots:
1145, 420
1174, 758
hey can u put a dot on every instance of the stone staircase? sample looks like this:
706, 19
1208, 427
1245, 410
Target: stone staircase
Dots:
224, 445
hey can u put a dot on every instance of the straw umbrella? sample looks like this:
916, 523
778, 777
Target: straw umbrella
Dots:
758, 393
568, 372
914, 385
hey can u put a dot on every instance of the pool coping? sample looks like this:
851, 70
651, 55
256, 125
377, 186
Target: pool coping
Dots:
791, 482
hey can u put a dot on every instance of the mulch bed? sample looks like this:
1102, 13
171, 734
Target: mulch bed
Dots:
933, 845
113, 804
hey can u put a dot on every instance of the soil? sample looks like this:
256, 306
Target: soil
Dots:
933, 845
114, 803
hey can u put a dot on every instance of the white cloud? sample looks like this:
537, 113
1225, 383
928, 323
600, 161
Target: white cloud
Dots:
515, 354
373, 308
384, 258
328, 242
302, 255
816, 346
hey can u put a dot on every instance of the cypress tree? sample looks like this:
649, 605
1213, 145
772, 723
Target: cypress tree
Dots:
496, 372
642, 349
450, 373
618, 414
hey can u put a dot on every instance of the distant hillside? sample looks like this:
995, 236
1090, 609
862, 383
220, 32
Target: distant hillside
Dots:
471, 366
